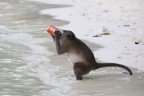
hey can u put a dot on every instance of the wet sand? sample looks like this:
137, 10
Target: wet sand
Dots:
30, 66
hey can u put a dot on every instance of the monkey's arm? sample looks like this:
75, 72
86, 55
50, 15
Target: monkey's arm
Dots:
53, 38
59, 48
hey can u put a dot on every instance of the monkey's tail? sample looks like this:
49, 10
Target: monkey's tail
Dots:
101, 65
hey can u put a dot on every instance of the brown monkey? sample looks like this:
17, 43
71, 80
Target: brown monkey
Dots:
80, 54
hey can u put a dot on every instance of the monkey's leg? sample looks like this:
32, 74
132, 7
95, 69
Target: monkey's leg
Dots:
80, 69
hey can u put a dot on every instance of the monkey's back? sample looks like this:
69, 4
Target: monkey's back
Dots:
82, 51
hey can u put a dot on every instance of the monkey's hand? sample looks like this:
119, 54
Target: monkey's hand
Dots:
56, 34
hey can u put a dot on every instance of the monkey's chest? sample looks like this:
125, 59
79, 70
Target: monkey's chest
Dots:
74, 58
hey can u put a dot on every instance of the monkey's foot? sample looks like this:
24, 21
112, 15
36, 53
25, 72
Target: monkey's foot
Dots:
79, 78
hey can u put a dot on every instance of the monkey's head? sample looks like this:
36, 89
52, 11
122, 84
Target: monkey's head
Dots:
67, 35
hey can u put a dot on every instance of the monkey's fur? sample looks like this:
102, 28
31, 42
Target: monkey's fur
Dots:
80, 54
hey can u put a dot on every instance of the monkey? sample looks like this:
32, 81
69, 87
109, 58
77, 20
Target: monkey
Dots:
80, 54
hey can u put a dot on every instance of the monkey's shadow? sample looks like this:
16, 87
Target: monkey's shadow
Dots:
93, 46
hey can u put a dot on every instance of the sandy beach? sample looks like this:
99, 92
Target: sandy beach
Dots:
30, 65
123, 20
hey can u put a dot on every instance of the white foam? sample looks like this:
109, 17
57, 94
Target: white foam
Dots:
7, 60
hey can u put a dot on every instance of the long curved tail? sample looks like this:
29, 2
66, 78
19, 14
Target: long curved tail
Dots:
101, 65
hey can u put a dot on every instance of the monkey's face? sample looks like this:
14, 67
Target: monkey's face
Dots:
67, 35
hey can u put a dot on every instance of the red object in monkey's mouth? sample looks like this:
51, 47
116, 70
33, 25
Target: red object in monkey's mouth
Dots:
51, 30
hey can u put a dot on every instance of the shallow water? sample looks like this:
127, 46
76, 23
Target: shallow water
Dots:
29, 65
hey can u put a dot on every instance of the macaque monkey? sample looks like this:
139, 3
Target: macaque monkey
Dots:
80, 54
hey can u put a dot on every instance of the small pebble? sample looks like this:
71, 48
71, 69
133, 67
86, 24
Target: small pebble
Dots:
136, 42
126, 25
